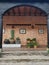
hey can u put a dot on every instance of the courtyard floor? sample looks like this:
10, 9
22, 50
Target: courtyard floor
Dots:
32, 57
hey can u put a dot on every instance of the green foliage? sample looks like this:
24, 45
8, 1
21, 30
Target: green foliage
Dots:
12, 34
28, 39
17, 38
28, 44
35, 43
32, 42
6, 41
34, 39
48, 50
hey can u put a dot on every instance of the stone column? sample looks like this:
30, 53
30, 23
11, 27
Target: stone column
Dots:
1, 29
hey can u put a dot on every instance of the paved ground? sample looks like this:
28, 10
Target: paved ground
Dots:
25, 63
24, 58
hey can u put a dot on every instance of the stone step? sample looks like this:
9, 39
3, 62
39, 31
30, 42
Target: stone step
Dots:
24, 63
20, 53
22, 49
25, 58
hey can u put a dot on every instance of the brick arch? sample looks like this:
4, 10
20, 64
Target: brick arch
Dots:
24, 10
45, 14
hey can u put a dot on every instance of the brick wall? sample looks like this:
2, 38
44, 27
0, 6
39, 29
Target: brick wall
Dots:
30, 33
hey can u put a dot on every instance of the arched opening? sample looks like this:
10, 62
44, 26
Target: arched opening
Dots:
26, 22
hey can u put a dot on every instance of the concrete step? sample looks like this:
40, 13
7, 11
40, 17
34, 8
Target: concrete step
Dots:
24, 58
32, 57
24, 63
22, 49
27, 56
20, 53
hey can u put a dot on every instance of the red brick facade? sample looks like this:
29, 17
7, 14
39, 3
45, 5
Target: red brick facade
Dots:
30, 33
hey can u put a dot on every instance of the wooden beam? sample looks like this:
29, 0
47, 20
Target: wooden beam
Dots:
30, 11
8, 13
24, 10
41, 24
18, 24
13, 12
19, 13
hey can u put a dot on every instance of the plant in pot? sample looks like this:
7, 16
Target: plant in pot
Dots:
6, 41
28, 45
28, 40
18, 41
31, 44
35, 44
12, 41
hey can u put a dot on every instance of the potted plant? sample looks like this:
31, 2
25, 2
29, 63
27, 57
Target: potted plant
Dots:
34, 42
6, 41
31, 44
12, 41
18, 40
12, 34
34, 39
28, 40
28, 45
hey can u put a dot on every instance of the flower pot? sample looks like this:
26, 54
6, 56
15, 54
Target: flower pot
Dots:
35, 46
6, 41
12, 41
18, 42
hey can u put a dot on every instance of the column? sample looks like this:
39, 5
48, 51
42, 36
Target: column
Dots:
48, 30
1, 29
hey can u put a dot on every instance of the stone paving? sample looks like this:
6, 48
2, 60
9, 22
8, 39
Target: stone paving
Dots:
24, 58
25, 63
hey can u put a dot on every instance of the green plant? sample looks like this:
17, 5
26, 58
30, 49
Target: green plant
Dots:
34, 39
6, 41
28, 39
48, 50
17, 38
18, 41
35, 43
12, 34
32, 42
12, 41
11, 38
28, 45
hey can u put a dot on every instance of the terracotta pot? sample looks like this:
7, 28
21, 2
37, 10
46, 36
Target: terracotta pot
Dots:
11, 41
35, 47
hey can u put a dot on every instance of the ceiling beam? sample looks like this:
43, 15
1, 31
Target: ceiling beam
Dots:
19, 12
35, 13
25, 11
13, 12
8, 13
30, 11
